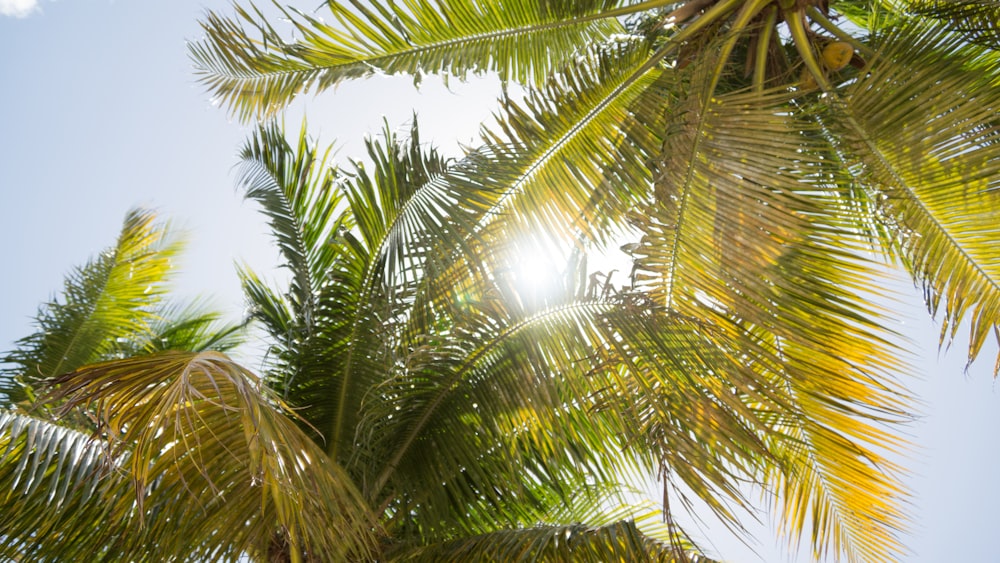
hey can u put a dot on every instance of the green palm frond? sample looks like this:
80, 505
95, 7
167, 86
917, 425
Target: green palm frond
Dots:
105, 303
401, 203
977, 20
192, 327
727, 196
370, 231
53, 486
571, 156
619, 541
740, 235
696, 399
920, 131
296, 188
197, 436
299, 193
493, 408
520, 39
650, 519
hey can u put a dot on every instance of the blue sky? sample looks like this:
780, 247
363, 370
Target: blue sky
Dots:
100, 112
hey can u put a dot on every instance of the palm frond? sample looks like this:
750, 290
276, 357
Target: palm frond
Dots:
256, 70
370, 238
401, 202
618, 541
747, 233
817, 484
104, 304
572, 157
977, 21
201, 437
487, 407
920, 131
296, 188
695, 398
54, 482
192, 327
299, 194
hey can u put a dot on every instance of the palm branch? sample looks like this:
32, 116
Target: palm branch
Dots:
105, 302
190, 458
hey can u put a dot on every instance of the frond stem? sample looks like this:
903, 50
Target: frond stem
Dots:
796, 24
763, 46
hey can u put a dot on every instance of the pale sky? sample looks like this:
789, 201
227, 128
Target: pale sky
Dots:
99, 112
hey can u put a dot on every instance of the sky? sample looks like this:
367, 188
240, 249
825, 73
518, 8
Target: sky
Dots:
100, 112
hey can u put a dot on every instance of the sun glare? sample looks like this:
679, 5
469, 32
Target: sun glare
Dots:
536, 270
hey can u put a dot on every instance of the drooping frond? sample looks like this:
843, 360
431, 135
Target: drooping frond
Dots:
54, 486
619, 541
695, 399
105, 303
256, 70
746, 233
817, 484
920, 130
216, 468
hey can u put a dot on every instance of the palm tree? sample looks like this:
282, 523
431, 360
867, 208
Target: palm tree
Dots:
417, 404
413, 407
767, 157
56, 480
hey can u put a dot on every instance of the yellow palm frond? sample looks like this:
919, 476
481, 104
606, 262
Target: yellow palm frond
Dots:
194, 433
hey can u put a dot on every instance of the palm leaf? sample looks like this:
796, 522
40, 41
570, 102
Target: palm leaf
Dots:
192, 327
299, 194
977, 21
571, 158
199, 436
817, 487
746, 233
619, 541
693, 397
520, 39
296, 189
53, 486
920, 129
498, 412
105, 303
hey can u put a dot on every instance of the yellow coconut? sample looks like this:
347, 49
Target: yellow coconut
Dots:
837, 54
806, 80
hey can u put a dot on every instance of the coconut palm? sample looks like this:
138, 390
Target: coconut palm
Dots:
55, 478
761, 158
416, 404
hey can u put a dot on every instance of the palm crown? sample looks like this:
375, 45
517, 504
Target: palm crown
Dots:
756, 154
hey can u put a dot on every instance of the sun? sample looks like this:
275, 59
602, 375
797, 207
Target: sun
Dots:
537, 268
